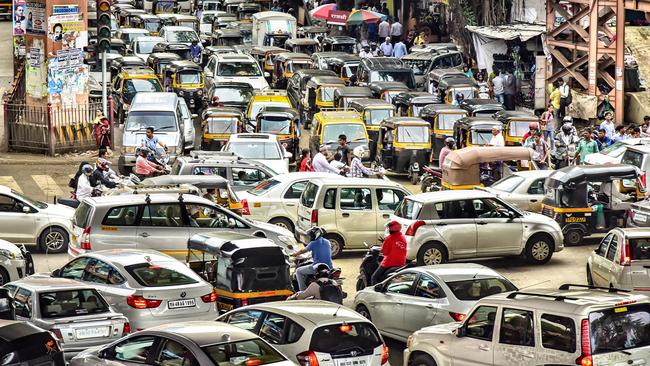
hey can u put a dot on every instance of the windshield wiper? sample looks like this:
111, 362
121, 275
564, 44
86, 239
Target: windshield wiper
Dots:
165, 127
358, 139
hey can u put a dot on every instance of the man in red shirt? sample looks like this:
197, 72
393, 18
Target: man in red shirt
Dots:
394, 250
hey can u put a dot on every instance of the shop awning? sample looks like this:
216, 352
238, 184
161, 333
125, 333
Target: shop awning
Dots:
509, 32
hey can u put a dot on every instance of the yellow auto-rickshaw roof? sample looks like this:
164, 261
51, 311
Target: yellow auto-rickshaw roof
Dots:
335, 117
270, 96
138, 72
395, 122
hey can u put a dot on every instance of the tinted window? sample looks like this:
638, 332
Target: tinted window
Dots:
474, 289
248, 176
81, 216
75, 269
631, 157
255, 149
175, 354
164, 215
355, 199
210, 170
309, 195
276, 329
481, 324
389, 199
455, 210
341, 341
121, 216
640, 249
611, 252
401, 283
136, 349
62, 304
558, 333
154, 275
428, 288
211, 217
329, 201
244, 353
604, 244
517, 328
537, 187
8, 204
619, 328
408, 209
245, 319
295, 190
487, 208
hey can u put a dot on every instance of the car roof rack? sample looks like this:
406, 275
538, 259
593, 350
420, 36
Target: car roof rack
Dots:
514, 294
198, 154
567, 286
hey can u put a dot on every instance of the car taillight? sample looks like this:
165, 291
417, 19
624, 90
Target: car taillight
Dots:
459, 317
245, 210
585, 345
307, 358
211, 297
644, 179
140, 302
57, 334
127, 329
625, 254
413, 228
384, 354
244, 301
84, 239
314, 217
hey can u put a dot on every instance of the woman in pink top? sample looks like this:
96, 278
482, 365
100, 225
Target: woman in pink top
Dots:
145, 167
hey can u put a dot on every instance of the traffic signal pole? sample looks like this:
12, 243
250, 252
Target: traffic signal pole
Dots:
104, 87
104, 44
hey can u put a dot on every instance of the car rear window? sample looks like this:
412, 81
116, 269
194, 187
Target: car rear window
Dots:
632, 157
155, 275
408, 209
252, 352
263, 187
81, 216
345, 339
309, 195
619, 328
474, 289
640, 249
62, 304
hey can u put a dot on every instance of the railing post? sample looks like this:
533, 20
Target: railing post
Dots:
50, 128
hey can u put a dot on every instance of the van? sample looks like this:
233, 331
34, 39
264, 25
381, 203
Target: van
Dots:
352, 211
167, 114
234, 68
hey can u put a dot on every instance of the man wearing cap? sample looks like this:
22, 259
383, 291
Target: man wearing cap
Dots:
394, 250
320, 164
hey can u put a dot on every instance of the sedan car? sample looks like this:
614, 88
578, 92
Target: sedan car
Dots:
192, 343
613, 153
75, 312
27, 221
149, 287
418, 297
313, 332
523, 189
261, 147
275, 200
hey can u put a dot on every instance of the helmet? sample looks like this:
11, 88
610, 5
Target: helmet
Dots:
322, 270
393, 226
449, 141
567, 128
358, 151
87, 169
315, 233
533, 126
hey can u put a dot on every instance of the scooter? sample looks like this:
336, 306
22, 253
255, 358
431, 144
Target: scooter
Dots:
431, 180
304, 260
370, 263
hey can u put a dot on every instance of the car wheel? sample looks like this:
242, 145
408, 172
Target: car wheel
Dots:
590, 280
573, 237
4, 276
53, 240
539, 249
422, 360
283, 223
337, 244
363, 311
432, 253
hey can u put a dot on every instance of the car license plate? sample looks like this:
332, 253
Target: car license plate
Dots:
351, 362
96, 332
640, 218
176, 304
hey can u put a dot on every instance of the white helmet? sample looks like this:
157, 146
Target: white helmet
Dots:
358, 151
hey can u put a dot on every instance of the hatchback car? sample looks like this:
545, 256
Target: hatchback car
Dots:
192, 343
26, 344
27, 221
15, 262
178, 34
423, 296
149, 287
75, 312
449, 225
263, 148
523, 189
311, 332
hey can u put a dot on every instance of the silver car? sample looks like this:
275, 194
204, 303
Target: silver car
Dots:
523, 189
76, 313
149, 287
191, 343
418, 297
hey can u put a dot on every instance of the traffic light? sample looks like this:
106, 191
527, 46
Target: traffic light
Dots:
103, 25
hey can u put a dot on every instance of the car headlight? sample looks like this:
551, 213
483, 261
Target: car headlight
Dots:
289, 242
129, 149
7, 254
409, 342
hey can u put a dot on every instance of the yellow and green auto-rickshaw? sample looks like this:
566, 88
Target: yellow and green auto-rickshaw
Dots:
158, 61
319, 94
441, 117
307, 46
481, 107
387, 90
409, 104
373, 112
344, 95
243, 269
404, 145
515, 125
590, 199
286, 64
218, 124
474, 131
284, 123
185, 78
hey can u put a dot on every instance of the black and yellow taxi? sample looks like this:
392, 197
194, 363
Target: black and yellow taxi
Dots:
127, 83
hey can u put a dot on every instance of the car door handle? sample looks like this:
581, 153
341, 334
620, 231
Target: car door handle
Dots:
533, 200
385, 216
481, 223
429, 306
346, 215
484, 347
290, 204
144, 235
441, 224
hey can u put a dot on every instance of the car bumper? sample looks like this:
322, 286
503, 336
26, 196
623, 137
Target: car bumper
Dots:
139, 319
406, 355
301, 235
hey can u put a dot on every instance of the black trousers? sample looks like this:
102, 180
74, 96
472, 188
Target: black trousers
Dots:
378, 275
563, 105
509, 102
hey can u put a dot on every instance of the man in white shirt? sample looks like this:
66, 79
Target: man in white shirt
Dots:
396, 31
497, 137
84, 187
384, 29
320, 164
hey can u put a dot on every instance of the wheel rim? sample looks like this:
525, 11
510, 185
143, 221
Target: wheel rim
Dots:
432, 256
282, 224
574, 237
336, 247
364, 313
54, 240
540, 250
3, 280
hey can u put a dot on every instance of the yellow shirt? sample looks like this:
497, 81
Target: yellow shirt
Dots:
555, 98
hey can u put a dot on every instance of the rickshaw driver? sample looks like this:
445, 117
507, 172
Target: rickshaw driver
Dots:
321, 252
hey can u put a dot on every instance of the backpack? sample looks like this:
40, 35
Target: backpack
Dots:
330, 291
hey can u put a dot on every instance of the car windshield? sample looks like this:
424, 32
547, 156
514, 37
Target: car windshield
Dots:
405, 77
508, 184
160, 121
354, 132
152, 25
375, 116
620, 328
256, 107
446, 120
326, 93
239, 69
252, 352
263, 187
419, 67
413, 134
70, 303
255, 149
232, 94
477, 288
274, 125
408, 209
132, 86
188, 77
632, 157
160, 274
518, 128
345, 339
35, 203
182, 36
615, 150
481, 137
222, 125
145, 47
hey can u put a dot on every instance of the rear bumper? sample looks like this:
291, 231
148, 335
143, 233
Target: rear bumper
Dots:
143, 319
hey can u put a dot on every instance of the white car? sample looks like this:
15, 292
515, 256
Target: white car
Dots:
206, 19
523, 189
177, 34
143, 46
261, 147
275, 200
234, 68
418, 297
314, 332
13, 265
27, 221
613, 153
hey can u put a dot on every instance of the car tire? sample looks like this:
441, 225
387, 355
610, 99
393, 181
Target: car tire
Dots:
53, 240
283, 222
363, 311
432, 253
422, 360
4, 276
590, 280
539, 249
573, 237
337, 244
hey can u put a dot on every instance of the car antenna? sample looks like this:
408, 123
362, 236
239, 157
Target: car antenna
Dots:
533, 285
474, 277
147, 199
337, 310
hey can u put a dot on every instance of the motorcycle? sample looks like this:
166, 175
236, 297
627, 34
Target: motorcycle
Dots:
304, 260
371, 262
431, 180
161, 157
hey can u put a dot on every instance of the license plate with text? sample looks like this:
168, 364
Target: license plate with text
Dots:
176, 304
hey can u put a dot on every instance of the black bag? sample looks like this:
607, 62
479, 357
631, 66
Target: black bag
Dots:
72, 183
330, 291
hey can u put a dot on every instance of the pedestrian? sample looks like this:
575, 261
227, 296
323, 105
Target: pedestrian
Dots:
646, 125
365, 52
541, 151
396, 31
102, 132
620, 134
483, 87
509, 90
497, 87
468, 72
533, 127
305, 161
374, 50
320, 164
586, 146
384, 29
386, 48
636, 133
384, 8
608, 124
603, 140
497, 137
372, 31
554, 96
565, 97
548, 124
344, 150
400, 49
410, 37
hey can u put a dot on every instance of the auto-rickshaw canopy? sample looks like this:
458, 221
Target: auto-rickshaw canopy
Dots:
395, 122
353, 92
437, 75
481, 107
591, 173
301, 44
249, 251
381, 88
462, 167
433, 110
320, 80
215, 112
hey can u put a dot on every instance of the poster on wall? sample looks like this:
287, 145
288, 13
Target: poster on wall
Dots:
35, 23
68, 30
19, 46
19, 18
67, 78
36, 72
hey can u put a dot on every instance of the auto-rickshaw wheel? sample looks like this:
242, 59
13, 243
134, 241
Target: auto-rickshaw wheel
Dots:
414, 178
573, 237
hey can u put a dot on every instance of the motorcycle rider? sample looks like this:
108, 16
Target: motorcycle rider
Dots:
357, 170
84, 184
321, 252
144, 167
394, 251
100, 175
563, 142
450, 144
317, 289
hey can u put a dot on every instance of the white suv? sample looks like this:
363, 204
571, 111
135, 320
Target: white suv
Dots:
576, 324
448, 225
261, 147
234, 68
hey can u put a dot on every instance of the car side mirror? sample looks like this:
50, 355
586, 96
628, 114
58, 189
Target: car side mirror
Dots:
379, 288
26, 209
56, 273
510, 214
460, 331
108, 353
